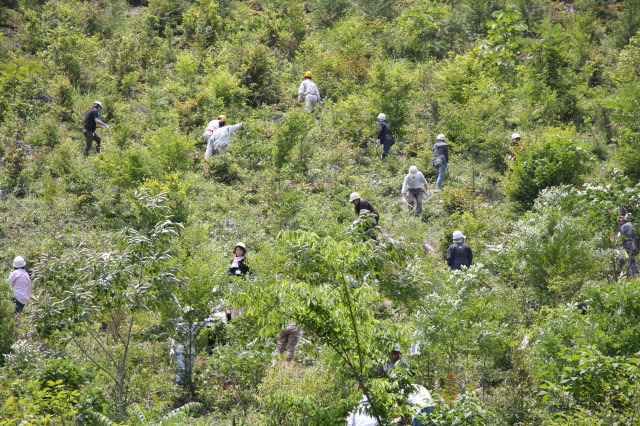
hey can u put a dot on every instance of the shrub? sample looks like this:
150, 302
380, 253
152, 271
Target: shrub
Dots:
169, 151
554, 160
202, 23
7, 323
292, 133
125, 168
221, 169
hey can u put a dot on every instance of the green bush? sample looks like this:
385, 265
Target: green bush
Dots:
7, 323
202, 23
556, 159
169, 151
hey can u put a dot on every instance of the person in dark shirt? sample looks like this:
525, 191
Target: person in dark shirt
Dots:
459, 253
385, 137
91, 122
362, 204
628, 242
440, 159
238, 266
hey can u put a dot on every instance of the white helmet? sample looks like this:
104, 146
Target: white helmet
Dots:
515, 136
440, 137
457, 235
241, 245
354, 196
19, 262
397, 348
382, 117
98, 103
413, 170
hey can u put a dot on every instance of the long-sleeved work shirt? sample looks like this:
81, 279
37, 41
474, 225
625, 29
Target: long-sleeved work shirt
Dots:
459, 254
21, 284
308, 87
413, 182
220, 139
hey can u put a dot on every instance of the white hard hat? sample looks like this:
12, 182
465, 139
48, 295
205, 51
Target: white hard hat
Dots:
241, 245
354, 196
440, 137
397, 348
19, 262
413, 170
187, 309
515, 136
98, 103
382, 117
458, 235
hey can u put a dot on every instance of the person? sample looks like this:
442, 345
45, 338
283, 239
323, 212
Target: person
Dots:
362, 204
459, 253
628, 242
440, 158
412, 185
288, 340
515, 146
395, 360
385, 136
309, 90
420, 400
183, 345
213, 126
20, 283
91, 122
238, 268
237, 265
219, 139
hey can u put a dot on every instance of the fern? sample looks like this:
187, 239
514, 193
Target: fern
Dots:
135, 411
102, 420
185, 410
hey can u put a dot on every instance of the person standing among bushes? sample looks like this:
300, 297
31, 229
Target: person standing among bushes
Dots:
440, 159
91, 122
288, 340
20, 283
220, 137
309, 90
516, 146
629, 242
238, 268
385, 136
212, 127
413, 182
395, 360
459, 253
362, 204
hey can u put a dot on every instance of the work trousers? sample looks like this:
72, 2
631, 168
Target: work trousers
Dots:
89, 137
441, 169
416, 193
310, 102
288, 339
19, 306
386, 147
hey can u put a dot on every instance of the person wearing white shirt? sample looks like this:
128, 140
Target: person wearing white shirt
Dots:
20, 283
212, 127
413, 183
220, 139
309, 90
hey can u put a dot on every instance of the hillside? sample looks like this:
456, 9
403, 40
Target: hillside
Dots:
129, 249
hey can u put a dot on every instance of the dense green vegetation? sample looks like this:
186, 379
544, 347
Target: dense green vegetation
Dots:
120, 243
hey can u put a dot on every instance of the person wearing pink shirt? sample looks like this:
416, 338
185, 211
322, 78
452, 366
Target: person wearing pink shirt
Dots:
21, 284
